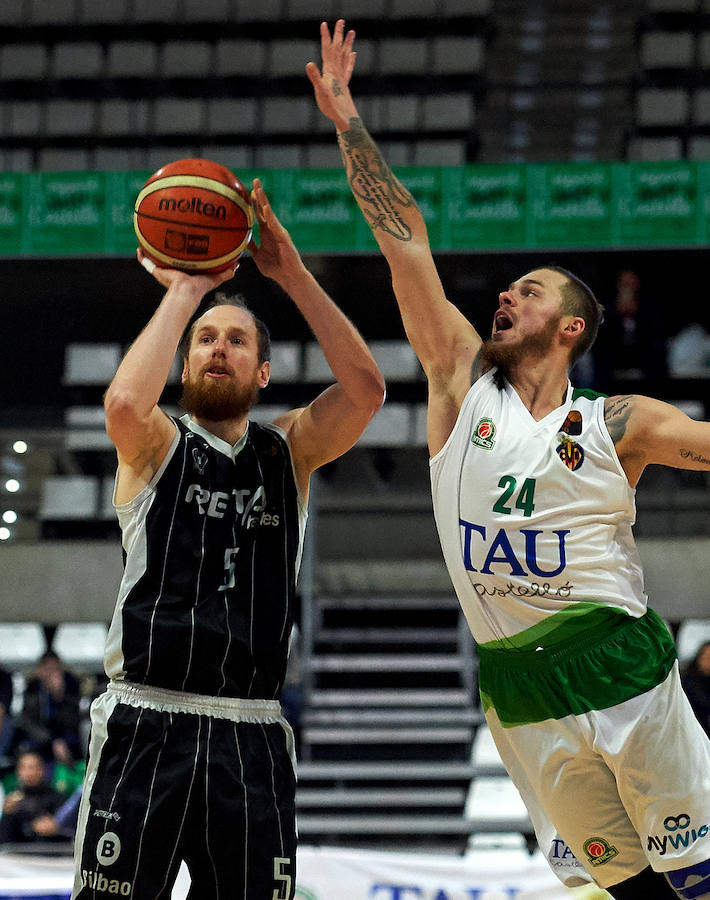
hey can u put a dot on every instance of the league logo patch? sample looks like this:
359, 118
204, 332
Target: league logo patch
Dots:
598, 851
484, 433
571, 453
573, 423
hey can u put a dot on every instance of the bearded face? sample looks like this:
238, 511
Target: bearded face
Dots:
217, 400
507, 356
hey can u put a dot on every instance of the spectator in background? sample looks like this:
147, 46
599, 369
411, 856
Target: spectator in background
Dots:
696, 683
61, 825
49, 722
633, 343
7, 725
31, 800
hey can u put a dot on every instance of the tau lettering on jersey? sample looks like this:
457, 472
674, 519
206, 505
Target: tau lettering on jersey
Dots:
500, 551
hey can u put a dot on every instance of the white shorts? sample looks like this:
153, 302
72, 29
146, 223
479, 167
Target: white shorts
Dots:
624, 786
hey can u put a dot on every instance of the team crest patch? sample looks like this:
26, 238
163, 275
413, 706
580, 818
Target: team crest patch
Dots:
571, 453
599, 851
484, 433
573, 423
200, 459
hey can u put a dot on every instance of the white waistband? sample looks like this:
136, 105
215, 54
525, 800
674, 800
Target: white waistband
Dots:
164, 700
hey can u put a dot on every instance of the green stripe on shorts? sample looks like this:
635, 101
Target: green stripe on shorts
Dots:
603, 657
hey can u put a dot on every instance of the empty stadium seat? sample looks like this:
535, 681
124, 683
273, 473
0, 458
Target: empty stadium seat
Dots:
23, 61
655, 149
68, 498
21, 645
285, 114
132, 59
240, 56
186, 59
662, 106
667, 49
289, 57
403, 56
177, 115
228, 114
285, 361
396, 360
69, 117
206, 10
77, 59
87, 364
691, 634
391, 427
439, 153
80, 645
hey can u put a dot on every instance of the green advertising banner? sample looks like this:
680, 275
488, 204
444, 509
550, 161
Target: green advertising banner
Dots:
316, 206
12, 194
485, 206
657, 203
66, 213
572, 205
475, 207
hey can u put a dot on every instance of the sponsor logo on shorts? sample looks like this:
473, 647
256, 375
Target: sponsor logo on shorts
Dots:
484, 434
95, 881
599, 851
679, 834
108, 848
105, 814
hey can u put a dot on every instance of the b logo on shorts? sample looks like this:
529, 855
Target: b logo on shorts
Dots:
673, 823
108, 848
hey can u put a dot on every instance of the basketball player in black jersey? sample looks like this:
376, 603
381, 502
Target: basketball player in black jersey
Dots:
190, 758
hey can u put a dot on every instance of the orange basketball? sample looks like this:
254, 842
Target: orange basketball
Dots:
195, 215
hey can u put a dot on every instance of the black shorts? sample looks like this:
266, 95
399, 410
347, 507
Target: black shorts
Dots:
175, 777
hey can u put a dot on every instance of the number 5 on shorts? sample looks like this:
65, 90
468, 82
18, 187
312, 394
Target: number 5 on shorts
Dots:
283, 891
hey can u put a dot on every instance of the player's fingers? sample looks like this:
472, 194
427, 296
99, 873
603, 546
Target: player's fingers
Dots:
148, 264
313, 73
338, 32
324, 35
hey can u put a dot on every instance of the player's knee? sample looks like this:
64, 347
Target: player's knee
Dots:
692, 882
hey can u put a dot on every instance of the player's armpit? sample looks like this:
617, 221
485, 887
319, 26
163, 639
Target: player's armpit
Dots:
648, 431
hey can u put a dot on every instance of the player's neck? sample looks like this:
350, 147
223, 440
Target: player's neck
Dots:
229, 430
541, 385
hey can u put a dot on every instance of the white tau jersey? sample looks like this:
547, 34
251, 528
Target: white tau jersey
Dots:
534, 518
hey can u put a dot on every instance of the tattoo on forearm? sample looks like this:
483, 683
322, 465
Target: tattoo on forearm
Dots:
372, 181
694, 457
616, 415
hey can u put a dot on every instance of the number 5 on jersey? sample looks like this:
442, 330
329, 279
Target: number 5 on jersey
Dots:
230, 568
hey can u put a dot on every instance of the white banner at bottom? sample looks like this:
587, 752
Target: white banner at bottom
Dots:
326, 873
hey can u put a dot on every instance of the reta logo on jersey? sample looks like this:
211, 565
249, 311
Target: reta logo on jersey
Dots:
217, 503
193, 205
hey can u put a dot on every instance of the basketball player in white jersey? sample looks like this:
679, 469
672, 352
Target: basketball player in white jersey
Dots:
190, 757
533, 490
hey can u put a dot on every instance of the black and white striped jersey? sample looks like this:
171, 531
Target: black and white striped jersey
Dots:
212, 548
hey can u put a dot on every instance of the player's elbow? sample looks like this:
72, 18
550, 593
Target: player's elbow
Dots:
122, 409
375, 391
